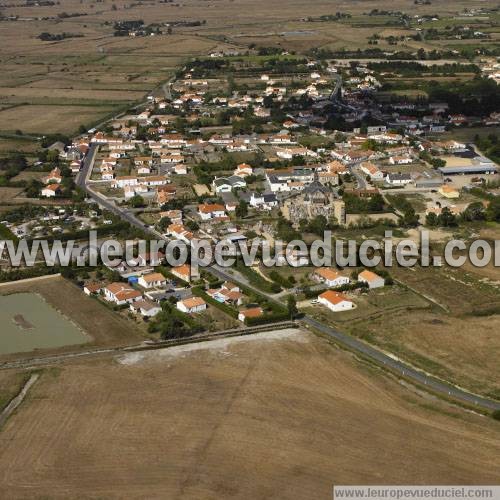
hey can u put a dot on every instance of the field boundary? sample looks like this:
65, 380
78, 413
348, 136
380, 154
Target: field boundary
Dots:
17, 400
145, 346
28, 280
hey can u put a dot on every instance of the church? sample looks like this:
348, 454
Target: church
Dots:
315, 199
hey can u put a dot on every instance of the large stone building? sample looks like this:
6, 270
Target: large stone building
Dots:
315, 199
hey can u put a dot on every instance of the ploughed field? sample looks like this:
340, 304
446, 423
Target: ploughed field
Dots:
276, 415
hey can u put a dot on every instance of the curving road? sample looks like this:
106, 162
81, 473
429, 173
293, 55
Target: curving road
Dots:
380, 358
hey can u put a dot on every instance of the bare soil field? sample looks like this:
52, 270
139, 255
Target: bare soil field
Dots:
8, 145
51, 119
281, 415
104, 326
7, 194
27, 93
28, 175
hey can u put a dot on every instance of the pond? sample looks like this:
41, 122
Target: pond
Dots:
28, 322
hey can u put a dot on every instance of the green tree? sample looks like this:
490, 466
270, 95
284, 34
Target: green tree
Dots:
493, 210
447, 218
192, 225
136, 201
410, 218
318, 225
163, 223
474, 212
242, 209
431, 220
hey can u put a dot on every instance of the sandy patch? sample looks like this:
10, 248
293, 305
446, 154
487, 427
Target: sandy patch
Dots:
220, 347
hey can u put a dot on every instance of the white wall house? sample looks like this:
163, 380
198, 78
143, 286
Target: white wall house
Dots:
330, 277
121, 294
152, 280
335, 301
192, 305
373, 280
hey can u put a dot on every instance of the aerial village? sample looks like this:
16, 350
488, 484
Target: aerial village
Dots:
274, 156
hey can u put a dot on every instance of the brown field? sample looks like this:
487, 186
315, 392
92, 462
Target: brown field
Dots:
443, 335
7, 194
51, 119
100, 68
34, 93
27, 175
11, 145
240, 418
104, 326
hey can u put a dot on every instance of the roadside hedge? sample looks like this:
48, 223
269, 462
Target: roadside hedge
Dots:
230, 311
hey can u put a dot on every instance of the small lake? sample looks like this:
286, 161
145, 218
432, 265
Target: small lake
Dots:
27, 322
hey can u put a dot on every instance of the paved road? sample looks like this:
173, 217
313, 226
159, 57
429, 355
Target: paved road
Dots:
360, 179
337, 91
82, 182
435, 385
167, 89
375, 355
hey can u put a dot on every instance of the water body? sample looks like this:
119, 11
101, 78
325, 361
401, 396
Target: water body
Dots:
27, 323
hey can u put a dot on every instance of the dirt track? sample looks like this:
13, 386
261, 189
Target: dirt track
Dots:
236, 419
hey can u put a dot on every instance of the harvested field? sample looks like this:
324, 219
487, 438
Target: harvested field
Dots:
104, 70
12, 145
104, 326
28, 175
51, 119
285, 417
24, 93
447, 335
7, 194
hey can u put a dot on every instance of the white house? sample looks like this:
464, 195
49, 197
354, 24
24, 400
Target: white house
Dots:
330, 277
254, 312
171, 158
400, 160
153, 180
372, 171
227, 184
152, 280
192, 305
398, 179
180, 169
92, 288
144, 170
335, 301
125, 180
121, 294
263, 201
182, 272
145, 308
243, 170
373, 280
51, 190
211, 211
